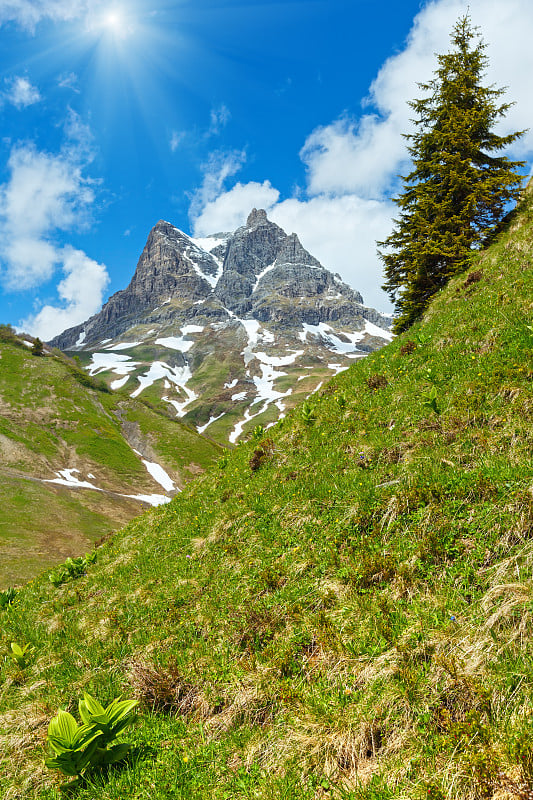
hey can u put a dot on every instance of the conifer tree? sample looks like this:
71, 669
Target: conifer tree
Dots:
38, 347
460, 184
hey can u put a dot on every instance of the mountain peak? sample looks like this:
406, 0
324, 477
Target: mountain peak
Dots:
257, 216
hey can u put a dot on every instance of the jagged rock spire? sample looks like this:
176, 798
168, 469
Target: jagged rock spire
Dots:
257, 216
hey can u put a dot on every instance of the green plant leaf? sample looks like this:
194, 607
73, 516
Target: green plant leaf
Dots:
63, 726
116, 753
119, 709
66, 766
91, 705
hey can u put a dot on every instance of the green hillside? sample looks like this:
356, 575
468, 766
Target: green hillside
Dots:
53, 418
341, 608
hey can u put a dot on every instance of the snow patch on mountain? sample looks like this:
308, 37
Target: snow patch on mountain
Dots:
158, 474
110, 362
122, 346
211, 279
279, 361
237, 430
207, 243
65, 477
202, 428
375, 330
255, 336
346, 346
176, 343
179, 376
119, 383
263, 273
151, 499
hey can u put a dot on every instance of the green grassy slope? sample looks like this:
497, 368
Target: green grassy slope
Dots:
52, 418
340, 609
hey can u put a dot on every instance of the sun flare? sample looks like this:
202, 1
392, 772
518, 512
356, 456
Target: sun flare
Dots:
116, 23
113, 20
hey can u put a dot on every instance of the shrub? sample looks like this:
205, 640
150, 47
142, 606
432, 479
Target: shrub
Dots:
258, 432
260, 454
473, 277
308, 413
341, 400
422, 338
8, 335
407, 348
38, 347
430, 400
18, 654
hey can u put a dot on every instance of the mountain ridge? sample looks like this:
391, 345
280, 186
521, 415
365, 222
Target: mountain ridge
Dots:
191, 302
177, 275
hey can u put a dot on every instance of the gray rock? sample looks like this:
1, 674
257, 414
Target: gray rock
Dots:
299, 289
171, 266
250, 250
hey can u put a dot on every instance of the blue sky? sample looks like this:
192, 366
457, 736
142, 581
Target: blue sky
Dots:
117, 115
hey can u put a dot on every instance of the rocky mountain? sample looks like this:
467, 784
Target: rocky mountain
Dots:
209, 323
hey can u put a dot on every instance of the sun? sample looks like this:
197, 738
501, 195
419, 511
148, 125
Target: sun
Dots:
116, 24
113, 20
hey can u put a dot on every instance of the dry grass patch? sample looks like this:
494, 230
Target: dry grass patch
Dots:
166, 690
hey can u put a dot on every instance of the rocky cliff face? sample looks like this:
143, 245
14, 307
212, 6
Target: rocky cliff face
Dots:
249, 252
193, 320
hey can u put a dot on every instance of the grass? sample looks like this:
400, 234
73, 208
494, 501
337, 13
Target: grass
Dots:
346, 615
51, 420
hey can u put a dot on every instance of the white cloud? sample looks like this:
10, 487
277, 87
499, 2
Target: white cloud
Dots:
20, 92
81, 292
28, 13
69, 80
176, 138
220, 117
220, 166
364, 156
229, 210
46, 196
353, 164
45, 193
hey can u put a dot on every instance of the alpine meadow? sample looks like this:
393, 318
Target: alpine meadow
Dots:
333, 598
